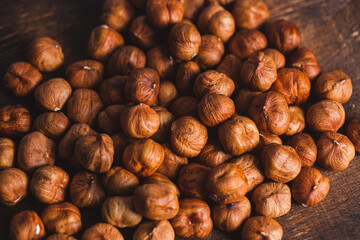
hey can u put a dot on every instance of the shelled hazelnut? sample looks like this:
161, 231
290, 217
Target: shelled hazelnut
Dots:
297, 121
268, 138
304, 59
166, 119
192, 180
102, 231
7, 153
85, 74
185, 77
160, 59
26, 225
52, 124
193, 8
108, 119
305, 147
15, 120
117, 14
212, 81
112, 90
120, 182
250, 14
211, 51
245, 42
185, 106
212, 154
142, 34
60, 236
278, 57
126, 59
261, 227
120, 142
243, 100
353, 133
160, 178
231, 66
163, 13
154, 230
172, 163
13, 186
167, 93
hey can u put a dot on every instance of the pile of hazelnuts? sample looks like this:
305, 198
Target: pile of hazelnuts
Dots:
173, 133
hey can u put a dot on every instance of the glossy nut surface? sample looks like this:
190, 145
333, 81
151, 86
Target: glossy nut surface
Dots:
157, 230
26, 225
13, 186
250, 14
261, 227
85, 74
102, 231
52, 124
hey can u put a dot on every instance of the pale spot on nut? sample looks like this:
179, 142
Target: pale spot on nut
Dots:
87, 67
105, 26
37, 229
266, 235
56, 109
304, 205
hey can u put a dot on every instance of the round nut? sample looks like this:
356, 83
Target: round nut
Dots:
212, 81
142, 34
243, 100
185, 106
102, 231
246, 42
13, 186
167, 93
85, 74
172, 163
166, 119
15, 120
162, 13
52, 124
268, 138
213, 154
303, 58
154, 230
261, 227
26, 225
211, 51
7, 153
160, 59
192, 180
108, 119
120, 182
117, 14
250, 14
297, 121
112, 90
305, 148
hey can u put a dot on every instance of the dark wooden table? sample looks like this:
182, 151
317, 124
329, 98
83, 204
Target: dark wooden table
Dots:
331, 28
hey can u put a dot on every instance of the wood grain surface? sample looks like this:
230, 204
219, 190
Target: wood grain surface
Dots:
331, 28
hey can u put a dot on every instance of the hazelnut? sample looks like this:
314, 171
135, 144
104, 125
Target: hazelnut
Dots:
310, 187
21, 78
7, 153
277, 56
85, 74
185, 77
268, 138
210, 52
246, 42
159, 59
188, 136
167, 93
238, 135
305, 148
229, 217
84, 106
156, 230
86, 190
139, 121
270, 112
117, 14
335, 85
283, 35
261, 227
259, 71
243, 100
15, 120
192, 180
214, 19
60, 236
103, 41
353, 133
162, 13
166, 119
250, 14
281, 163
335, 151
112, 90
213, 154
143, 86
326, 115
109, 119
193, 8
46, 54
48, 184
120, 142
212, 81
102, 231
297, 121
95, 152
119, 181
124, 60
160, 178
193, 219
143, 157
26, 225
304, 59
231, 67
142, 34
185, 106
35, 150
52, 124
13, 186
172, 163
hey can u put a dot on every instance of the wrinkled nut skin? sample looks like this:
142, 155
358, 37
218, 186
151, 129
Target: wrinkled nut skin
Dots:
261, 227
281, 163
259, 71
126, 59
163, 13
86, 190
229, 217
21, 78
102, 231
160, 59
15, 120
49, 184
60, 236
172, 163
226, 183
238, 135
305, 147
108, 120
84, 106
243, 100
156, 201
231, 67
185, 77
13, 186
7, 153
270, 112
304, 59
188, 136
167, 93
62, 218
210, 52
334, 85
353, 133
335, 151
277, 56
250, 14
193, 9
103, 41
160, 178
310, 187
297, 121
120, 182
326, 115
142, 34
246, 42
155, 230
193, 219
112, 90
85, 74
212, 154
45, 54
52, 124
212, 81
166, 119
192, 180
272, 199
117, 14
185, 106
27, 225
35, 150
95, 153
268, 138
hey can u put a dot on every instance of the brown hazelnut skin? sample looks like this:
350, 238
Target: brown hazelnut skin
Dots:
102, 231
124, 60
108, 119
281, 163
155, 230
259, 71
193, 9
95, 153
211, 51
212, 154
52, 124
334, 85
192, 180
46, 54
85, 74
120, 142
119, 181
143, 86
27, 225
185, 77
283, 35
84, 106
353, 133
250, 14
277, 56
86, 190
268, 138
261, 227
243, 100
238, 135
297, 121
335, 151
270, 112
163, 13
185, 106
188, 136
14, 183
160, 178
15, 120
212, 81
172, 163
159, 59
139, 121
231, 66
219, 2
117, 14
21, 78
246, 42
60, 236
48, 184
166, 119
305, 147
103, 41
112, 90
304, 59
326, 115
167, 93
7, 153
310, 187
142, 34
193, 219
35, 150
